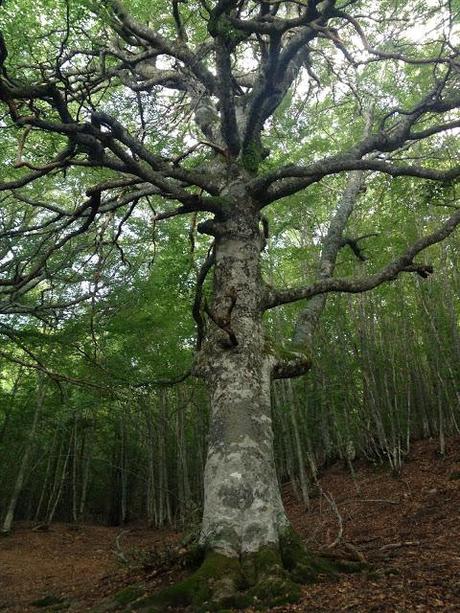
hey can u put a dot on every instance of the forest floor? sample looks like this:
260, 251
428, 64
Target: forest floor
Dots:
407, 529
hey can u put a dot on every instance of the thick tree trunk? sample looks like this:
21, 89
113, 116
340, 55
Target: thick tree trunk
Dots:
243, 511
242, 505
251, 552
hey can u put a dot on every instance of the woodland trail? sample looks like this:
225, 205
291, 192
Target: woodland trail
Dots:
407, 528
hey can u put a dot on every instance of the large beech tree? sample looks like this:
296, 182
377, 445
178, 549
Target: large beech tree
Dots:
109, 106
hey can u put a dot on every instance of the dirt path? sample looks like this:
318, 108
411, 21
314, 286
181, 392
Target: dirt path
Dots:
408, 529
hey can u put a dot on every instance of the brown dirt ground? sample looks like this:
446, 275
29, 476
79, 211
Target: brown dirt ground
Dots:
407, 528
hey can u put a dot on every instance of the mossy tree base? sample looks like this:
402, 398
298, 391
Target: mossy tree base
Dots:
267, 578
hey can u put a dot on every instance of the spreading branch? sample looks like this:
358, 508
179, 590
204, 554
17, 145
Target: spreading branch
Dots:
403, 263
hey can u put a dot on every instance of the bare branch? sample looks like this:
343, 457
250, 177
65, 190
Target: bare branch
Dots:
403, 263
302, 177
176, 49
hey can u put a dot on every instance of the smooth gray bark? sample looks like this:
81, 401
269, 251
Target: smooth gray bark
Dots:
308, 319
243, 510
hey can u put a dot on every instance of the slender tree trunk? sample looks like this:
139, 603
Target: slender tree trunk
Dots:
123, 472
8, 409
151, 502
166, 515
47, 476
59, 483
86, 465
303, 478
183, 482
75, 470
17, 489
309, 317
286, 439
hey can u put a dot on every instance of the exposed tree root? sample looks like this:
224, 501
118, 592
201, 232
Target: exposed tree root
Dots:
267, 578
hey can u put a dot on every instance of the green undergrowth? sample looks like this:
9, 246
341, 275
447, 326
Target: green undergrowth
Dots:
51, 603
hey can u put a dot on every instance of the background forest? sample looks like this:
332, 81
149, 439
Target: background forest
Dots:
99, 418
91, 429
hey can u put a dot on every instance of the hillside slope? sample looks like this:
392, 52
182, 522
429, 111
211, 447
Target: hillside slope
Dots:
407, 529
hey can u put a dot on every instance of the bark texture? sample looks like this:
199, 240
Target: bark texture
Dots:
251, 553
242, 508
